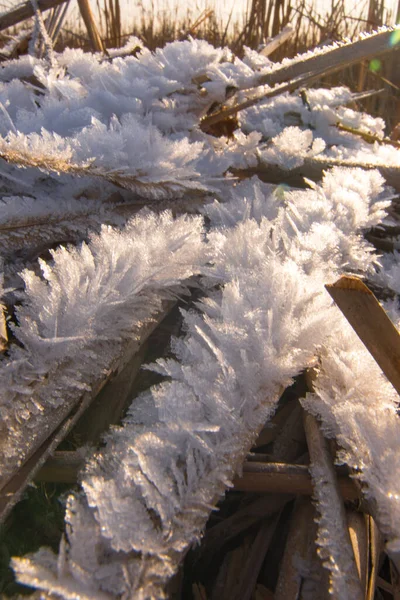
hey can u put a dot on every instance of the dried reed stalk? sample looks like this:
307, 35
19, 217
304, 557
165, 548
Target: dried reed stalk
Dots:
368, 137
371, 323
326, 485
25, 11
88, 18
241, 521
281, 478
333, 60
3, 329
255, 557
61, 467
358, 524
313, 169
304, 72
112, 14
296, 549
282, 37
224, 113
273, 431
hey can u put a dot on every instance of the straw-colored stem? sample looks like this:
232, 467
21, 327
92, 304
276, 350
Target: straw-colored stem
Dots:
25, 11
88, 18
326, 486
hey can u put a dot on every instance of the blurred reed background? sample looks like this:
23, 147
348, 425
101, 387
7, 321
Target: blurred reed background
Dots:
248, 23
237, 23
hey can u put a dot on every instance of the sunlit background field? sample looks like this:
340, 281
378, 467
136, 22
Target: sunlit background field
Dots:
237, 24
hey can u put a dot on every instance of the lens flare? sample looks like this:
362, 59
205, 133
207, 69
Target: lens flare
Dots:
280, 191
375, 65
395, 37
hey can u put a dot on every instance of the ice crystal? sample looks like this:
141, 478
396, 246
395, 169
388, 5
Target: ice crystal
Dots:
182, 442
98, 294
133, 122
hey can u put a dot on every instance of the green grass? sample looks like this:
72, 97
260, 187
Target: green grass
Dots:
37, 520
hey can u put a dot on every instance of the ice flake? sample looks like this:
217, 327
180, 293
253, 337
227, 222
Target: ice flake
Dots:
291, 147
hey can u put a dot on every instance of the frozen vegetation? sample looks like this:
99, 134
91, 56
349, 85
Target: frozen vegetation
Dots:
88, 139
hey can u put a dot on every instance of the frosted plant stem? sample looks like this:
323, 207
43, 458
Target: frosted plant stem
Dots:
24, 11
312, 168
333, 536
292, 85
270, 47
41, 28
335, 59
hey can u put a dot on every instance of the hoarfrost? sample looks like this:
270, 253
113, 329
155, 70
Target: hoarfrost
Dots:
133, 121
151, 488
96, 295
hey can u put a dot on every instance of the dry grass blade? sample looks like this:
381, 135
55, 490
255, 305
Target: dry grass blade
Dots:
61, 15
296, 550
255, 558
368, 137
326, 486
304, 72
113, 23
108, 407
263, 593
313, 169
43, 161
161, 189
238, 523
94, 35
11, 491
229, 572
395, 579
335, 59
3, 329
25, 11
105, 410
286, 479
61, 467
375, 549
285, 430
371, 323
204, 16
290, 444
282, 37
358, 524
292, 85
199, 593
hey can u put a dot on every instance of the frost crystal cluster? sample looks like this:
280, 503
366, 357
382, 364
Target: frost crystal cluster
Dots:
88, 142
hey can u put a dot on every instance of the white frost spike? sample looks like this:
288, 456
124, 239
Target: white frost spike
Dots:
77, 316
85, 286
291, 147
